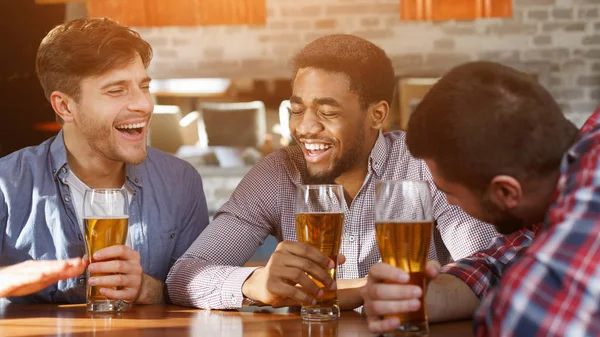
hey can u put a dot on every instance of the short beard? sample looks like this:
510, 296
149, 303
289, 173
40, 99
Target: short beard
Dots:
341, 166
504, 222
98, 140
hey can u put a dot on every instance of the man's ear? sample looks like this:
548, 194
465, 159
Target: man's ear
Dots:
379, 113
506, 191
63, 105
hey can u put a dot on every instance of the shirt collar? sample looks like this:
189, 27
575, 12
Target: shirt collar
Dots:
134, 173
58, 160
592, 123
58, 155
379, 155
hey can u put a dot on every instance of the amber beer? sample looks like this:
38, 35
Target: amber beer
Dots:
101, 233
405, 245
322, 231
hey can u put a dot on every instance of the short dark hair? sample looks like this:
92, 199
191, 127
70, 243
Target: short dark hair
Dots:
483, 119
369, 69
85, 47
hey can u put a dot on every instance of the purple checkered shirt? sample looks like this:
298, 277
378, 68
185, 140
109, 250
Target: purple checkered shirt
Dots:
211, 273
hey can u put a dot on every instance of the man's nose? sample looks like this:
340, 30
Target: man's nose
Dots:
309, 124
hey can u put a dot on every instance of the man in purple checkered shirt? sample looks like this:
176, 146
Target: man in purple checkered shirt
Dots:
342, 91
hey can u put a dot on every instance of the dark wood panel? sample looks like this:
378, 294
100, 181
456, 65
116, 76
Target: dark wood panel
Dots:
144, 13
438, 10
232, 12
127, 12
171, 13
23, 25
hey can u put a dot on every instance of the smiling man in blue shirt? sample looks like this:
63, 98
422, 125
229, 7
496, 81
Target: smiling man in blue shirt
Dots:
93, 72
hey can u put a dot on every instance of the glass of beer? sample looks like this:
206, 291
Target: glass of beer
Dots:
320, 329
105, 223
319, 223
404, 224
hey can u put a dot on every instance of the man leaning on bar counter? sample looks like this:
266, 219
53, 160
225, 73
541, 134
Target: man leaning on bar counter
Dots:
342, 91
93, 72
505, 152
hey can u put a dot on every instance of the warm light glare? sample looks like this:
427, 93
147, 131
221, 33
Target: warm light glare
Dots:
191, 85
421, 81
284, 119
189, 118
166, 109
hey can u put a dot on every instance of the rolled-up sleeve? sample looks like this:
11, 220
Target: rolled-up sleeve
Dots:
484, 269
210, 273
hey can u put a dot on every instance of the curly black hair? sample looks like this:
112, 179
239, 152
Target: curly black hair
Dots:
369, 69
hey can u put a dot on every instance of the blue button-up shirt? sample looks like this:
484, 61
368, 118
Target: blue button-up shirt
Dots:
38, 219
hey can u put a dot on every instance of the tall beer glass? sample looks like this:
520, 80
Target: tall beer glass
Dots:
105, 222
404, 224
319, 223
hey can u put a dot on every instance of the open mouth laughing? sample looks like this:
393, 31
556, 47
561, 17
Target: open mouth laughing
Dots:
315, 152
132, 131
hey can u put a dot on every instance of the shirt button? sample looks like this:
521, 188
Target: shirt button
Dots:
82, 281
67, 198
54, 171
80, 237
172, 235
351, 238
64, 170
137, 180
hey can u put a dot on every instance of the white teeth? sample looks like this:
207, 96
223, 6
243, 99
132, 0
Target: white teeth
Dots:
132, 126
314, 147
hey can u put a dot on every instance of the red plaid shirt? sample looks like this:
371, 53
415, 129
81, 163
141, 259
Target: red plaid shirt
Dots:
210, 273
484, 269
553, 289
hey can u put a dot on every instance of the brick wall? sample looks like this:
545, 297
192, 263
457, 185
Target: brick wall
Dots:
557, 40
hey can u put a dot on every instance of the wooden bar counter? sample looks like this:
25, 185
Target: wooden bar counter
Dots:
156, 320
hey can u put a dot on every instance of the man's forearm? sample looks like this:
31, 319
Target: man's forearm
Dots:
151, 291
349, 297
349, 293
449, 298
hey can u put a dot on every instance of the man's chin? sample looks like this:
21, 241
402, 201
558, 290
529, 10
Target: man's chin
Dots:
136, 160
325, 174
319, 178
133, 155
133, 159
